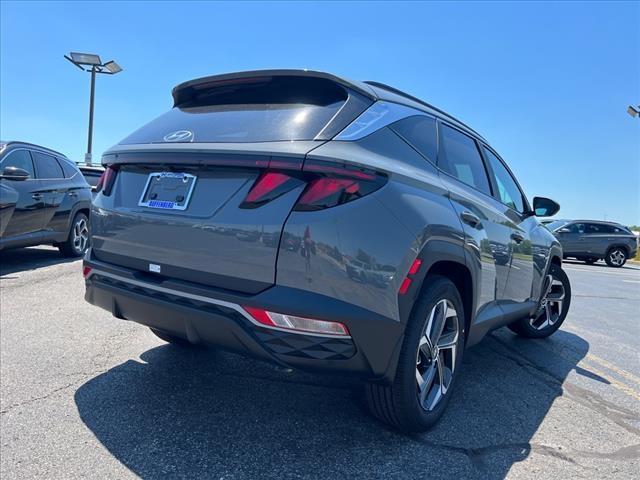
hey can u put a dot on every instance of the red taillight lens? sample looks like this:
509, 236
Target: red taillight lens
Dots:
267, 187
327, 184
86, 271
336, 184
107, 179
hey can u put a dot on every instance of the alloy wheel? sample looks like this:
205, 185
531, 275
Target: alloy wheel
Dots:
436, 356
617, 257
551, 304
80, 235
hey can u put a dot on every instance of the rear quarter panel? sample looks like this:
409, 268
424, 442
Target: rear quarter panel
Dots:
361, 251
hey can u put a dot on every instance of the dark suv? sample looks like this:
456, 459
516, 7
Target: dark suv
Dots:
592, 240
43, 199
323, 224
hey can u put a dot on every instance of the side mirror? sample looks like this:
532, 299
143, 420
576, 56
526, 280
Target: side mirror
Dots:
14, 173
545, 207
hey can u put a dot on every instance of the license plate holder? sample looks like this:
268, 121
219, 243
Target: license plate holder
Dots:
168, 191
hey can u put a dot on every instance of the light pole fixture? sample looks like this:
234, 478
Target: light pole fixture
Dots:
633, 111
90, 62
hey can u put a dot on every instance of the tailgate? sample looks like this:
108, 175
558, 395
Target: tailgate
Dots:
207, 239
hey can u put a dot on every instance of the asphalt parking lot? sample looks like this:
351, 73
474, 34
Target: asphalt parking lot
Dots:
84, 395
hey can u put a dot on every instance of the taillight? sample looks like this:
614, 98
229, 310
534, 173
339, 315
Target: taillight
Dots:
327, 185
332, 184
86, 271
269, 186
107, 179
293, 322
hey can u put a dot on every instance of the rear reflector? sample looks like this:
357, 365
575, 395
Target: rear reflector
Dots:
300, 324
406, 283
404, 287
415, 266
86, 271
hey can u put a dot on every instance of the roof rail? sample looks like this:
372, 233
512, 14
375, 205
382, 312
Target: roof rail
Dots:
384, 86
33, 145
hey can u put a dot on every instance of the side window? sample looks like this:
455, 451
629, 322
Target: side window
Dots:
420, 133
20, 159
47, 166
461, 158
508, 191
576, 228
68, 169
595, 228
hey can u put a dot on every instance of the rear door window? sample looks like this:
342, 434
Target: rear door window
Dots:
421, 133
68, 169
47, 166
19, 159
260, 110
508, 191
460, 157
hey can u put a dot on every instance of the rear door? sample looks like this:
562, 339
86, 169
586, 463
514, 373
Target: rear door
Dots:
55, 191
514, 207
483, 217
22, 201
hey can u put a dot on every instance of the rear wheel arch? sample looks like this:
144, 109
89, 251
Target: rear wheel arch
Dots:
619, 245
461, 277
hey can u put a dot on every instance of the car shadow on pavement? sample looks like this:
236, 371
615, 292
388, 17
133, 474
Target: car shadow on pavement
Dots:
22, 259
201, 414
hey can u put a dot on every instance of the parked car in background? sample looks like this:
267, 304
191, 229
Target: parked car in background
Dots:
91, 173
593, 240
43, 199
404, 237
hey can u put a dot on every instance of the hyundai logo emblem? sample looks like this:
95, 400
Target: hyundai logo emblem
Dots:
179, 136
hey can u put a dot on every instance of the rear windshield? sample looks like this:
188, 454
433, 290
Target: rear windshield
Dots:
264, 110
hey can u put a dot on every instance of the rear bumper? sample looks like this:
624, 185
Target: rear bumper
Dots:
214, 317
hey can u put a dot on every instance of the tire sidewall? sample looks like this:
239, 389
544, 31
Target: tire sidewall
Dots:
437, 288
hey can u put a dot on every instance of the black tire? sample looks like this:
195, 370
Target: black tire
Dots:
616, 257
590, 261
77, 241
535, 327
398, 404
172, 339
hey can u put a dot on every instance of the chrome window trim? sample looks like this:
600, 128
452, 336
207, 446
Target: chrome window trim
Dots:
213, 301
377, 116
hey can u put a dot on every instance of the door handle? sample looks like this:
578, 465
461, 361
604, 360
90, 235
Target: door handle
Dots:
517, 237
37, 196
73, 194
470, 219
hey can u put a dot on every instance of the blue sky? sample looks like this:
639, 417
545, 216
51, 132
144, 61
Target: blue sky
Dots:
547, 84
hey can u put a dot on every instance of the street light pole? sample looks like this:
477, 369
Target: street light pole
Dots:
83, 60
93, 92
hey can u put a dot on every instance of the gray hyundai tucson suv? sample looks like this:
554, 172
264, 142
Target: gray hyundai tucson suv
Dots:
327, 225
593, 240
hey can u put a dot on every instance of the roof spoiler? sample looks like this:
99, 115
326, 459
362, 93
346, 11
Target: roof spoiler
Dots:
183, 92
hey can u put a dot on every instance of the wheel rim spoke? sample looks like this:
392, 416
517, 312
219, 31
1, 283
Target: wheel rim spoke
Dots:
551, 305
437, 349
